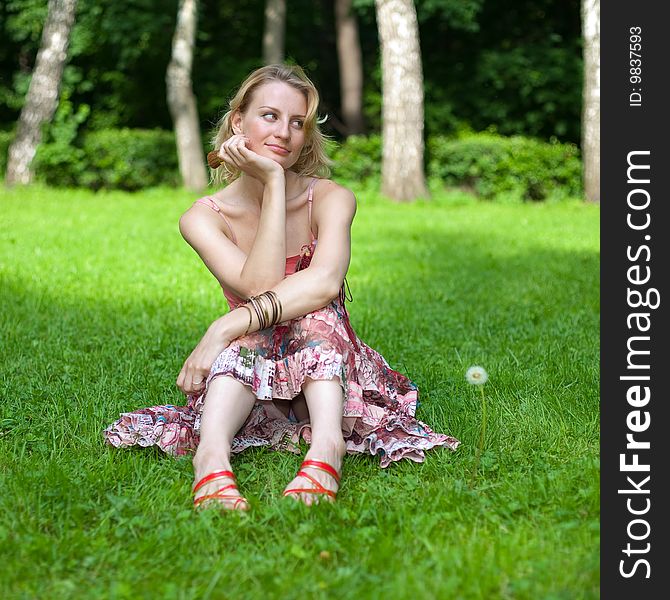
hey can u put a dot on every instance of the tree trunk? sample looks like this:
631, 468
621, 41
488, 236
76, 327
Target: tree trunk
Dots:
402, 104
181, 100
275, 28
351, 67
591, 100
42, 97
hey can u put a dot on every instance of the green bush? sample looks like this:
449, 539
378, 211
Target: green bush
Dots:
489, 165
513, 168
58, 159
5, 140
358, 158
131, 159
127, 159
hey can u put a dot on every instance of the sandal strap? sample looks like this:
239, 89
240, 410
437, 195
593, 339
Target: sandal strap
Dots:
232, 486
323, 466
310, 491
314, 481
319, 489
237, 499
211, 477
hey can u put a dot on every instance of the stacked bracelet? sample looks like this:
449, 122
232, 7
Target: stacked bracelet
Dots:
262, 305
257, 309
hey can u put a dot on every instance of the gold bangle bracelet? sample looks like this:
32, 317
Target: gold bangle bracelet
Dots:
264, 303
262, 311
267, 302
259, 316
276, 305
279, 306
273, 301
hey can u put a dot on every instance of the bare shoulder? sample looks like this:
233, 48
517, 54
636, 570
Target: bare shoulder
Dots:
333, 200
207, 212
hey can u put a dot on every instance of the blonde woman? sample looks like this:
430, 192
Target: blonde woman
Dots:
284, 363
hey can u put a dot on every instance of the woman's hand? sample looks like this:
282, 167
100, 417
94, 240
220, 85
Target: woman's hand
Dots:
198, 365
235, 152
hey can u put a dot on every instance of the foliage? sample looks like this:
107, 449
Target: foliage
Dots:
118, 54
58, 160
494, 167
520, 72
357, 158
506, 168
514, 65
458, 14
89, 334
127, 159
6, 138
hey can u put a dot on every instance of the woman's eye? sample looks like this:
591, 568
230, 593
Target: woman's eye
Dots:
298, 122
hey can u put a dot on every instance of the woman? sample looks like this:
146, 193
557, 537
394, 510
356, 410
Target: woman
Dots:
284, 363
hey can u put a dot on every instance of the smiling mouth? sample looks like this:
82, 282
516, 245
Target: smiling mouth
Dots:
277, 149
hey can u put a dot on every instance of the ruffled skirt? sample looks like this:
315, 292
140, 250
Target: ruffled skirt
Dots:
379, 403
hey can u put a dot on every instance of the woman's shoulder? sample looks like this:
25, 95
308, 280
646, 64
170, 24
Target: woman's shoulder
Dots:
331, 199
213, 210
325, 187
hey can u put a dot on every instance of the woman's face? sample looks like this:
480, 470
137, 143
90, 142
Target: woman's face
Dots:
274, 122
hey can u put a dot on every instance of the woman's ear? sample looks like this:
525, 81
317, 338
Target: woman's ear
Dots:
236, 122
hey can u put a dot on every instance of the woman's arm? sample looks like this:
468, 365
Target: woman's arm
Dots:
264, 266
317, 285
266, 261
301, 293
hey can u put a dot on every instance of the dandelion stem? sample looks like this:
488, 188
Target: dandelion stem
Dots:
482, 433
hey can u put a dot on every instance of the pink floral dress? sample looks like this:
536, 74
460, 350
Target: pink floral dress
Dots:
380, 403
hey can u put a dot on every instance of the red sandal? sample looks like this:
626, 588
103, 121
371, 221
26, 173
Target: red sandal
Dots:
319, 489
219, 493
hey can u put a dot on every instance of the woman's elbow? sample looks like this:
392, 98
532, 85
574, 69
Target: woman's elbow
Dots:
331, 286
185, 226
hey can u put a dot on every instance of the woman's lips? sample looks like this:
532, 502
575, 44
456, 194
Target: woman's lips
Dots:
277, 149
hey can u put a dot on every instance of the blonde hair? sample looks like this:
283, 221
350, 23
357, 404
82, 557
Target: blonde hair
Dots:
313, 159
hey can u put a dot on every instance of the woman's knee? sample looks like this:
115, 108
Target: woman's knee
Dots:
227, 384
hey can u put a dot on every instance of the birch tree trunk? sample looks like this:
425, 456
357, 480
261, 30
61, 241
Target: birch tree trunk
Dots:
42, 97
181, 100
402, 103
275, 29
591, 99
351, 67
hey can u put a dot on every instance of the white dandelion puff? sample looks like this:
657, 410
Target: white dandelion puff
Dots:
476, 375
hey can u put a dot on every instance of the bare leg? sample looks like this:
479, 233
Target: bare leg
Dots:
325, 401
227, 406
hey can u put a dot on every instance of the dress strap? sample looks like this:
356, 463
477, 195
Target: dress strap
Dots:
207, 201
309, 205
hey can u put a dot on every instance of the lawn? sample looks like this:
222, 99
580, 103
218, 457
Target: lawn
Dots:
102, 301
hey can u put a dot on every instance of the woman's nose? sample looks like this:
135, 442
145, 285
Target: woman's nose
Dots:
283, 130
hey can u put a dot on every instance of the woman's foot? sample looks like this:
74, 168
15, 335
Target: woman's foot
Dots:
331, 453
222, 486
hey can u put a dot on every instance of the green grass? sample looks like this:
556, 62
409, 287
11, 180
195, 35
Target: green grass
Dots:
102, 301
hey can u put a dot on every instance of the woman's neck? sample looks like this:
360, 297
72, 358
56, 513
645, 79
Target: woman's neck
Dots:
251, 189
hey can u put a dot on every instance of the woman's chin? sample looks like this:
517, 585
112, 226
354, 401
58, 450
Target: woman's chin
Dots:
286, 165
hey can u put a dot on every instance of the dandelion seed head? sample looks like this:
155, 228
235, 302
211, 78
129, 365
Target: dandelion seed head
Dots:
476, 375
